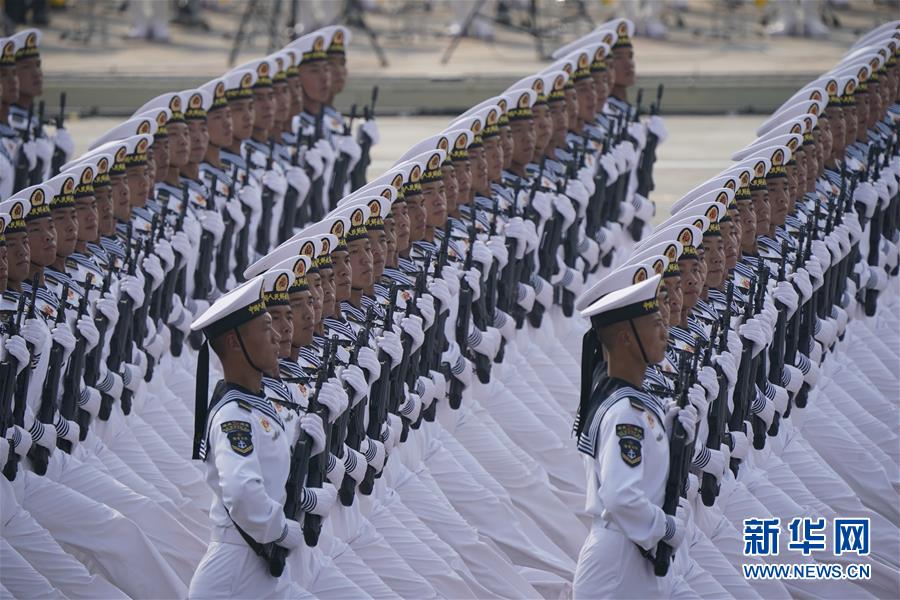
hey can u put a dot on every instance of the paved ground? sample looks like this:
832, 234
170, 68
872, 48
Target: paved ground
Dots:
697, 148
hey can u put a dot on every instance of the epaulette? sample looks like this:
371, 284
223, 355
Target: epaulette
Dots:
635, 403
245, 405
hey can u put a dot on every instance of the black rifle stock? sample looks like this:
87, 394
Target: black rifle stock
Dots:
68, 407
59, 157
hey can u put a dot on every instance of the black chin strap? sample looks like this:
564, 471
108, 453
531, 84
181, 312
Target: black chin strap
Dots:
591, 356
246, 354
637, 336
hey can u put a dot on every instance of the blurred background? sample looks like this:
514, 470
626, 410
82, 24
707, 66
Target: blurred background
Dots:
724, 63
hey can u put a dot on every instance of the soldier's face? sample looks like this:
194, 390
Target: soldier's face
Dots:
303, 315
42, 241
263, 109
31, 78
340, 261
121, 197
560, 119
523, 141
283, 324
587, 99
66, 225
198, 135
451, 186
623, 60
315, 77
161, 155
106, 220
543, 128
849, 113
731, 243
327, 278
435, 203
654, 337
390, 258
296, 93
18, 256
691, 283
10, 81
179, 144
338, 67
493, 157
315, 288
714, 256
507, 145
138, 184
748, 226
571, 107
862, 115
86, 215
812, 169
673, 291
601, 88
261, 342
479, 169
360, 263
378, 247
219, 127
416, 210
242, 115
826, 145
462, 171
401, 225
762, 208
778, 200
662, 296
282, 99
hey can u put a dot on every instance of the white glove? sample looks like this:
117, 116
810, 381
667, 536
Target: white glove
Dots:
543, 204
152, 267
676, 528
63, 140
30, 150
638, 133
707, 378
212, 222
293, 535
353, 376
505, 324
814, 268
333, 396
44, 149
63, 336
489, 342
275, 181
368, 360
326, 150
412, 326
752, 332
411, 407
740, 443
586, 177
182, 245
37, 333
726, 362
157, 345
251, 196
516, 230
299, 180
482, 255
525, 297
374, 452
608, 162
108, 308
426, 391
687, 416
163, 249
393, 427
441, 292
347, 145
451, 276
46, 436
498, 248
780, 399
877, 279
87, 330
626, 213
390, 343
473, 278
785, 293
369, 129
17, 347
315, 161
325, 499
698, 399
311, 425
354, 464
577, 192
236, 214
543, 291
801, 281
336, 470
71, 429
767, 411
565, 208
657, 127
440, 384
132, 286
425, 304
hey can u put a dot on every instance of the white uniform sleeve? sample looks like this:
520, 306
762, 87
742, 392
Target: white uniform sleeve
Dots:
622, 465
241, 485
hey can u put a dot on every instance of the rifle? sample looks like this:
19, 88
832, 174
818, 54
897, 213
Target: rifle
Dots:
378, 399
139, 326
339, 177
124, 334
202, 285
479, 311
242, 254
678, 464
709, 485
525, 267
317, 198
36, 175
742, 388
268, 199
358, 176
350, 425
223, 256
40, 456
648, 156
777, 352
12, 414
22, 176
59, 157
68, 407
175, 280
416, 359
758, 375
273, 554
92, 368
315, 477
